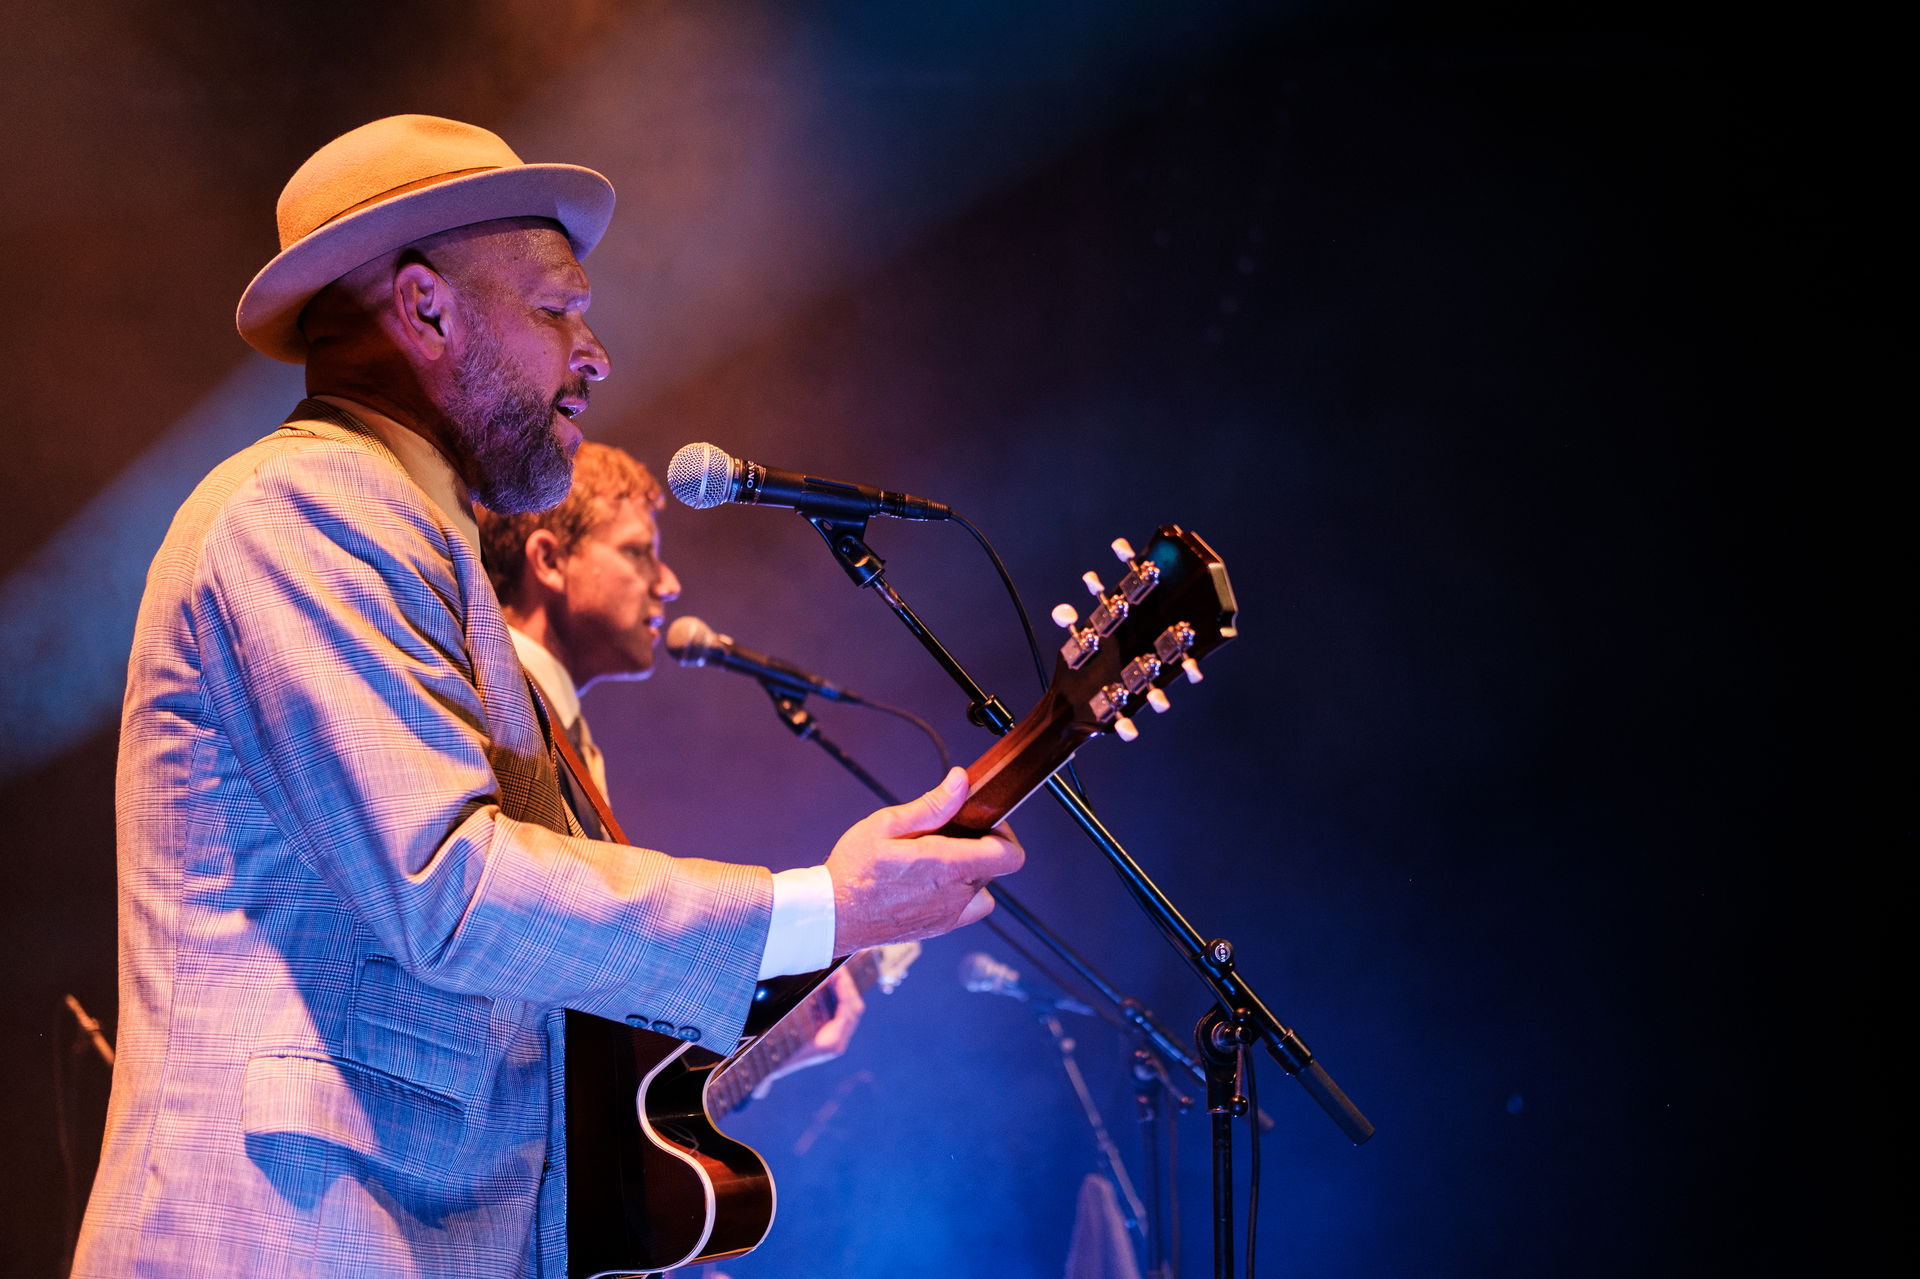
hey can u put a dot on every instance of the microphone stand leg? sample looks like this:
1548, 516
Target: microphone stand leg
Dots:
1151, 1093
1222, 1043
1223, 1196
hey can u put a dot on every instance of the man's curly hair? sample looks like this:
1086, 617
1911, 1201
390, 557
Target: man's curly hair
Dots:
603, 477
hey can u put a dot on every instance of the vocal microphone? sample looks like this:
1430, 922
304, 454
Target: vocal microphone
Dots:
984, 975
691, 642
702, 476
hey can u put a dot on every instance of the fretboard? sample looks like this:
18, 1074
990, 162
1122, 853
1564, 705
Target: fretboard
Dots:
792, 1033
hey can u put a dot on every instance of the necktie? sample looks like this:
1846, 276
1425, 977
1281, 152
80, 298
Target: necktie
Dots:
576, 798
582, 739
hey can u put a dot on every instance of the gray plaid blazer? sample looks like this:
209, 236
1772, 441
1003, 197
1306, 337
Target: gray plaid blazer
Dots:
350, 907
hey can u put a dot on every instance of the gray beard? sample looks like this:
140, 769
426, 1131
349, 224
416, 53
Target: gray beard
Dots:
503, 437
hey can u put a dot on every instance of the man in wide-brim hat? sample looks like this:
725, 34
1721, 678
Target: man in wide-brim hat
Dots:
353, 900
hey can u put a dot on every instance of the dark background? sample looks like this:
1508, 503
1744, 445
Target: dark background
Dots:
1492, 348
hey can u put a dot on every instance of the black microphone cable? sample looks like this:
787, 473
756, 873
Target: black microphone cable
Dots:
1026, 627
946, 760
691, 642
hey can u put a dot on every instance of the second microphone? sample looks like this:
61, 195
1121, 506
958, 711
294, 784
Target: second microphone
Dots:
691, 642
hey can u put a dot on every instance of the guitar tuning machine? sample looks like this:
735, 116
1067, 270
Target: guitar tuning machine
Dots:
1157, 698
1091, 580
1122, 550
1108, 705
1192, 668
1065, 615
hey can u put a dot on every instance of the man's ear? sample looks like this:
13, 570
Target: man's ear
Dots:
544, 557
422, 305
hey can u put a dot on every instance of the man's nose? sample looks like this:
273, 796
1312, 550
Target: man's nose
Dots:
667, 585
590, 359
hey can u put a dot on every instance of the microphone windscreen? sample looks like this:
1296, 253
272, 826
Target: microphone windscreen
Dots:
688, 640
700, 475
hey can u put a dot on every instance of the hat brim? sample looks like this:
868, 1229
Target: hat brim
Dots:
579, 199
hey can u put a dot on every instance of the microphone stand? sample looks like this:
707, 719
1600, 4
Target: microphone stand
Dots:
1151, 1088
1240, 1019
1155, 1038
1109, 1153
1150, 1074
788, 705
1151, 1052
1154, 1052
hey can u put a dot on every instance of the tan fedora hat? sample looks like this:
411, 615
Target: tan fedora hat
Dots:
390, 183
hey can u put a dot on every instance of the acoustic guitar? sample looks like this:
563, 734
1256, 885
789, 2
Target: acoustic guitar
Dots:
652, 1184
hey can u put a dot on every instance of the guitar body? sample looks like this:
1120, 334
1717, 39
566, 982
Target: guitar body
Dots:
651, 1183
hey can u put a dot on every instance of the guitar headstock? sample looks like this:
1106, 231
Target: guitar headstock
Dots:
1170, 607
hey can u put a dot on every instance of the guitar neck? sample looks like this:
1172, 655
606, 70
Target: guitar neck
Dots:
1012, 769
787, 1037
1018, 764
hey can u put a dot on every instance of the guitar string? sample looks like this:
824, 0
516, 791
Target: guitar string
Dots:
779, 1043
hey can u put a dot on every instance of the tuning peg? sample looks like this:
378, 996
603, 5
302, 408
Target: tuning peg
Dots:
1122, 550
1092, 580
1065, 615
1123, 729
1192, 668
1157, 698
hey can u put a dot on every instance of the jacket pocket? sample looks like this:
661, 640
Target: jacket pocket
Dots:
433, 1038
388, 1122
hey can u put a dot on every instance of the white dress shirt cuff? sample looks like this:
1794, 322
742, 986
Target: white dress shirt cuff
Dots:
800, 938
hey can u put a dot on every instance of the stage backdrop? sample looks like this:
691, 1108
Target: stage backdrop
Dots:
1461, 337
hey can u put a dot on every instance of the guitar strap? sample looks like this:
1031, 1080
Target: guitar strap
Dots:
582, 776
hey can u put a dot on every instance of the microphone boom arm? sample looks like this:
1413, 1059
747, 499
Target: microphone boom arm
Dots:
1211, 961
787, 705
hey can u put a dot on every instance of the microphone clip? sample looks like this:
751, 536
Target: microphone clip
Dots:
789, 703
846, 537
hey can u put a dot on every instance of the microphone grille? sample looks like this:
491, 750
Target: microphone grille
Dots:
688, 641
700, 475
